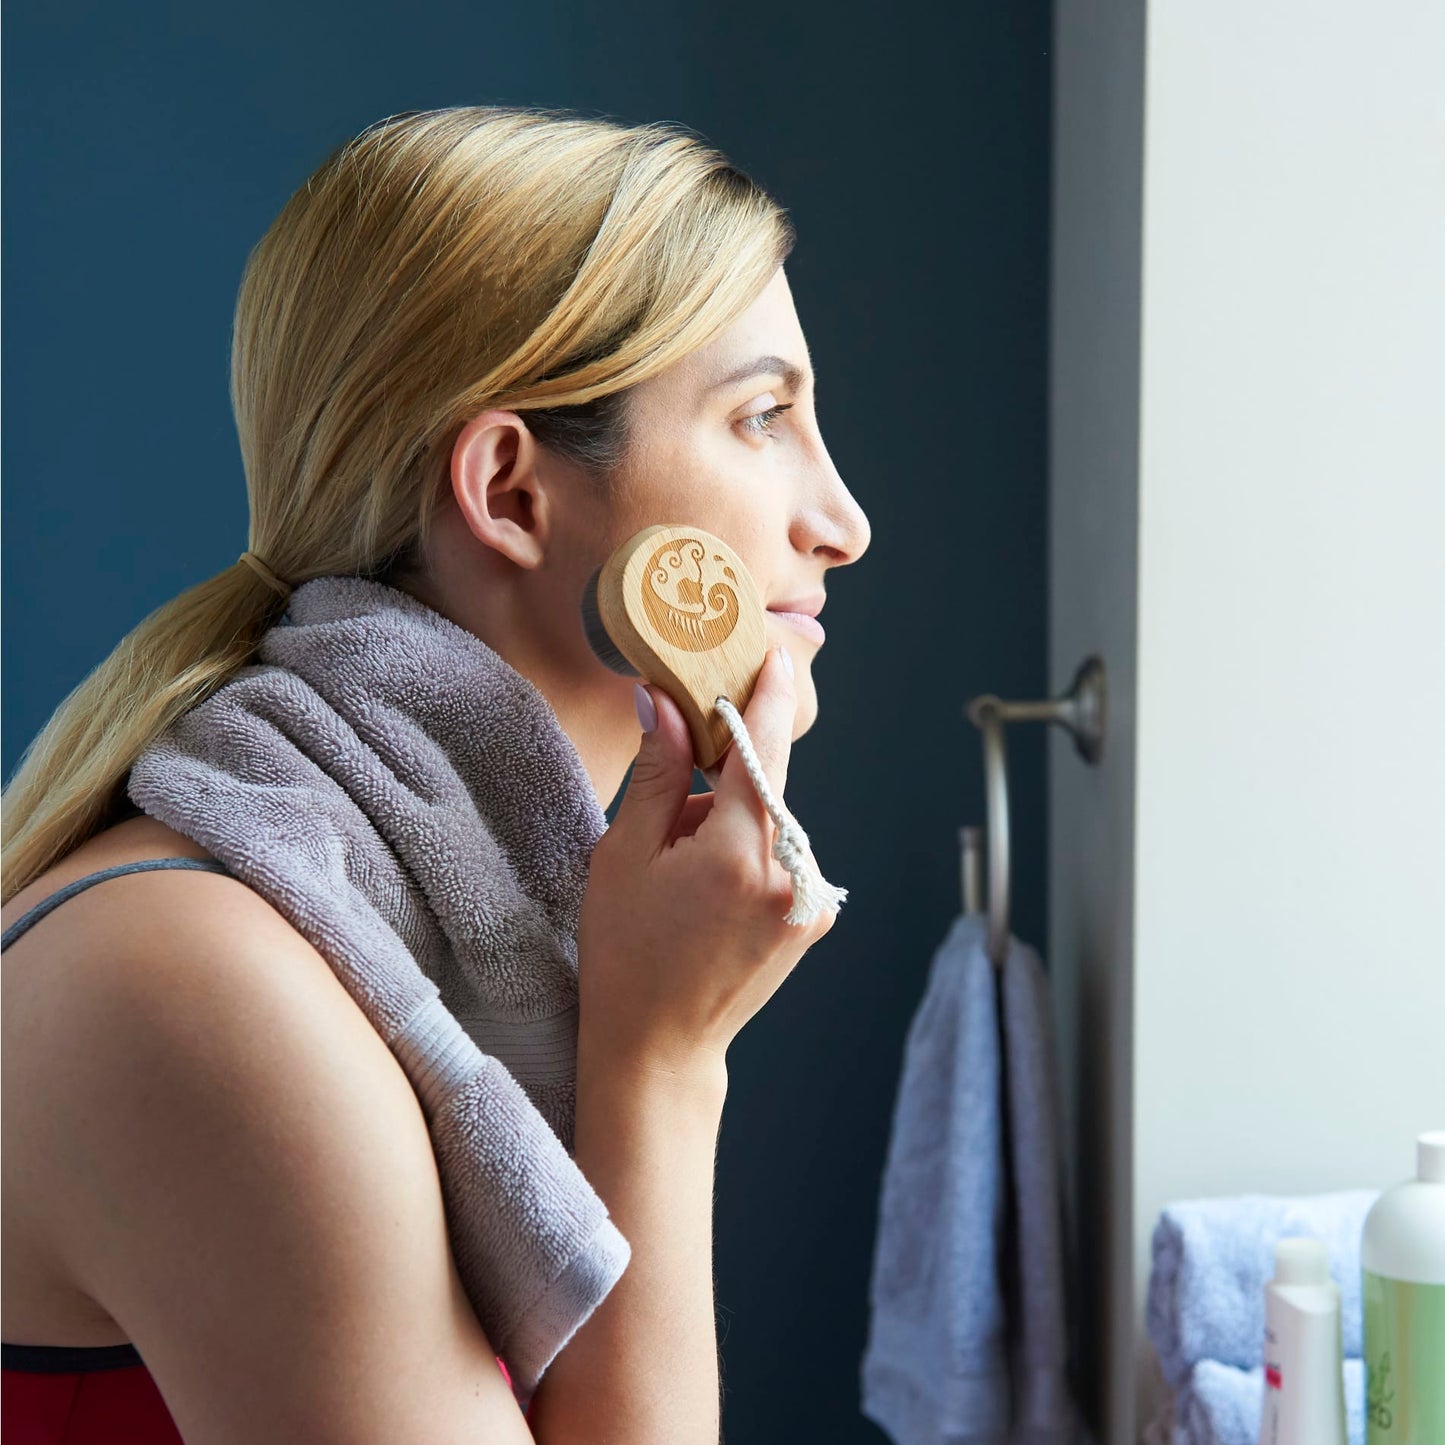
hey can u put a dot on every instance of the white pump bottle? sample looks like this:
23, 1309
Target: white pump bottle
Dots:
1304, 1378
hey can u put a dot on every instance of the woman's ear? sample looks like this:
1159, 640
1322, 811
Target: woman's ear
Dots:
498, 488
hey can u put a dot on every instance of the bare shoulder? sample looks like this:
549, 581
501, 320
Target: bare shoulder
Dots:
133, 841
247, 1175
163, 939
150, 931
129, 933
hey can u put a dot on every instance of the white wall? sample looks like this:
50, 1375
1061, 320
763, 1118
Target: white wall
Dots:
1247, 492
1289, 947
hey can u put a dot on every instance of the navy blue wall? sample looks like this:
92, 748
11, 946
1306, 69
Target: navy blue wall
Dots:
148, 146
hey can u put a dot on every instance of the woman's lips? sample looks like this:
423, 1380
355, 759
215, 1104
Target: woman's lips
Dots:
808, 626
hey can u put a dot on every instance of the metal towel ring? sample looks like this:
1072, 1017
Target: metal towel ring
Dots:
1083, 710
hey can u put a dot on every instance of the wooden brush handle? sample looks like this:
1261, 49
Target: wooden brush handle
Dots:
684, 611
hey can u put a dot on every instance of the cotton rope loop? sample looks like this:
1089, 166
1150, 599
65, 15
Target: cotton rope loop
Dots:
811, 891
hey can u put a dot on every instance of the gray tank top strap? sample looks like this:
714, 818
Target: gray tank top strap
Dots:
30, 919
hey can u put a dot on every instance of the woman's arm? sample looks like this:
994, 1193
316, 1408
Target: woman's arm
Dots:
643, 1369
241, 1175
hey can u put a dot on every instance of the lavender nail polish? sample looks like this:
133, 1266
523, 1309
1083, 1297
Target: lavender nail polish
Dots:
646, 708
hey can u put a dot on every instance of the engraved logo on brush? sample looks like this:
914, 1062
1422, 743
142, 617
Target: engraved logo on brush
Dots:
678, 577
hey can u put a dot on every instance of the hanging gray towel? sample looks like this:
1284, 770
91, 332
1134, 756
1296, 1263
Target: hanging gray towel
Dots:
934, 1370
412, 805
1044, 1411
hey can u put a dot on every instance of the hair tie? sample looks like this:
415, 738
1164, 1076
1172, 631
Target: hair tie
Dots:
265, 573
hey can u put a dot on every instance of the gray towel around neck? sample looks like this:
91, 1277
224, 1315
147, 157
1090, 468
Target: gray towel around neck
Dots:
411, 804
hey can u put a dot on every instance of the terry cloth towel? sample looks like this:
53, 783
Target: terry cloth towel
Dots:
412, 805
934, 1370
1213, 1257
1044, 1411
1223, 1405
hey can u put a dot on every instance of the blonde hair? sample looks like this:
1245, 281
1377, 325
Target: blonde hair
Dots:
440, 264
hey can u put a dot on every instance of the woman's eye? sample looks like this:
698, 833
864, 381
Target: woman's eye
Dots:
761, 422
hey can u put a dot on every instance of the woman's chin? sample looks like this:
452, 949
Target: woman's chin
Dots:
807, 713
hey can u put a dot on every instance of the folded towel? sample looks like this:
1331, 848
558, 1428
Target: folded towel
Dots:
1213, 1257
1044, 1412
410, 803
934, 1370
1222, 1405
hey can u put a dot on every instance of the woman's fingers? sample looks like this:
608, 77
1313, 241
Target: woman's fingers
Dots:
694, 810
769, 718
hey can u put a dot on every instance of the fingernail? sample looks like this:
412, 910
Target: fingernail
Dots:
646, 708
787, 660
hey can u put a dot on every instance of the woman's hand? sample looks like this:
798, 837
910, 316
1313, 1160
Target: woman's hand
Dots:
681, 937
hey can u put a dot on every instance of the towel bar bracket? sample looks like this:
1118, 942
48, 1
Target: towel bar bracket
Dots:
1083, 712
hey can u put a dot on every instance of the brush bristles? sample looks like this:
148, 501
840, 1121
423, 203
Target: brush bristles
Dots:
598, 637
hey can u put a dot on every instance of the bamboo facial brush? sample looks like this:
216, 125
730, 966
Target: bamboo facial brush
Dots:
675, 606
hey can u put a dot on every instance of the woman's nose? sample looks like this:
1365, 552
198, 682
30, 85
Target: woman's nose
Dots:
859, 531
841, 524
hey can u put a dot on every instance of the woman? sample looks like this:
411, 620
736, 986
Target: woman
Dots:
477, 350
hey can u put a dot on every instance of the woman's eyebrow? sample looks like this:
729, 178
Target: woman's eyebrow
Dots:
793, 375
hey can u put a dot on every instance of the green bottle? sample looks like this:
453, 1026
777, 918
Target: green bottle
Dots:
1402, 1256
